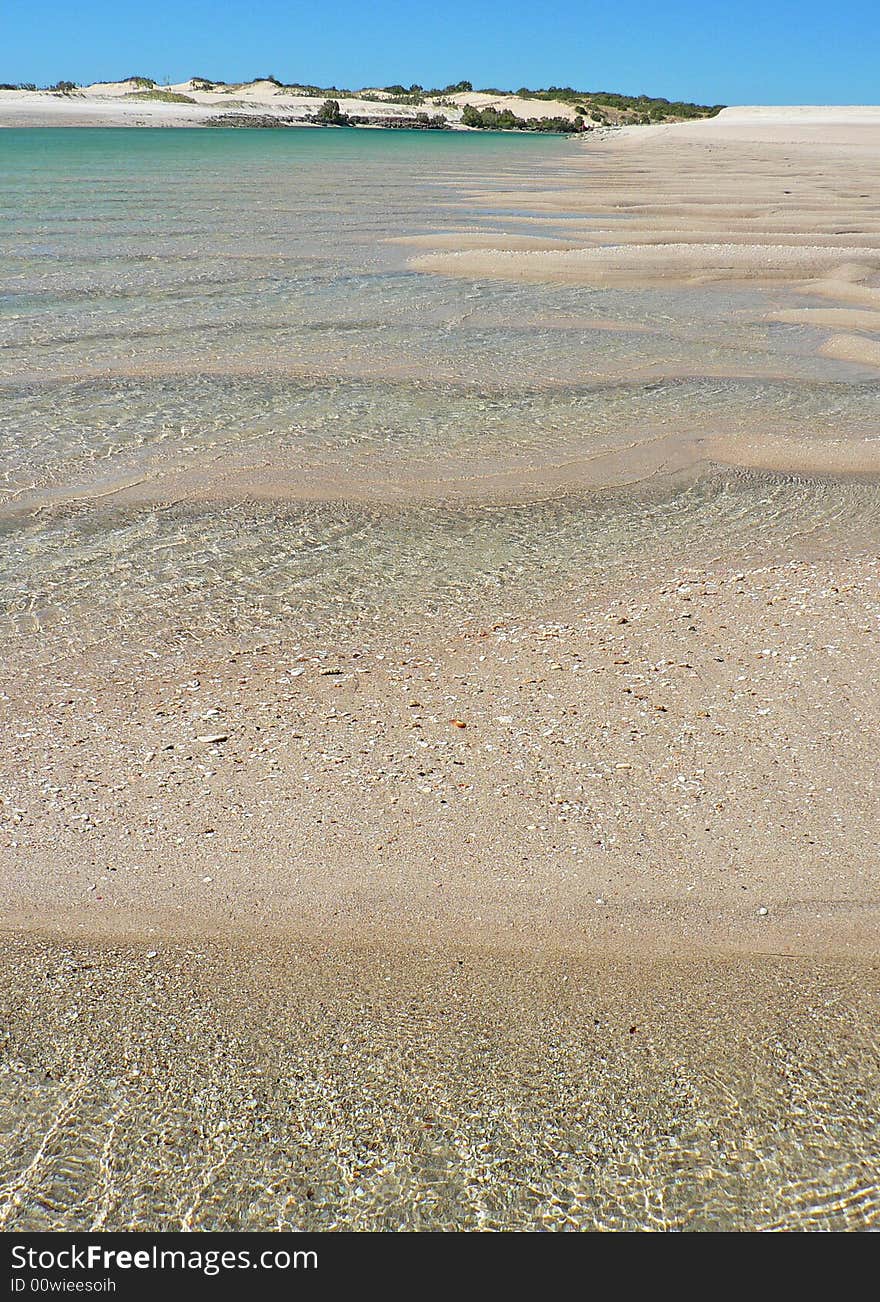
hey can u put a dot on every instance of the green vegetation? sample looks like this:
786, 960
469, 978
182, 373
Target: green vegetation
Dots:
428, 123
600, 106
415, 95
142, 83
328, 115
162, 96
490, 119
650, 108
412, 97
64, 87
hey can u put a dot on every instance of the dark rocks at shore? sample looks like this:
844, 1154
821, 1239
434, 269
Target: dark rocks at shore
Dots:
252, 120
269, 120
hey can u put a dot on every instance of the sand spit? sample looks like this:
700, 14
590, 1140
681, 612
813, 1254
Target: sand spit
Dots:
792, 190
667, 263
854, 348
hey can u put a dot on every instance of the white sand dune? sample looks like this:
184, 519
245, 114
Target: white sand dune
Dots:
124, 103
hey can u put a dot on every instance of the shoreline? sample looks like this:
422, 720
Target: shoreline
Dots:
453, 773
402, 829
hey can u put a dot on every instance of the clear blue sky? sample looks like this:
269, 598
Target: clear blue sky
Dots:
733, 52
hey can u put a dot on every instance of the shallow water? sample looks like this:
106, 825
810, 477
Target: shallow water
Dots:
179, 307
228, 405
189, 572
203, 1090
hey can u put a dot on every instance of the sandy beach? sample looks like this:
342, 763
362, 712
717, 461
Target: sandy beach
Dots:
619, 825
197, 103
760, 196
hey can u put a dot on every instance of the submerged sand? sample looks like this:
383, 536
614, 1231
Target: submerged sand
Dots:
755, 196
176, 1085
560, 913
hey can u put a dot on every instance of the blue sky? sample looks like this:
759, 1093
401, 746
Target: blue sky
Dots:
739, 52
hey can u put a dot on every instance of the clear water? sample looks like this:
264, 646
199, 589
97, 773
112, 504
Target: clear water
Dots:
185, 313
229, 404
395, 1092
188, 573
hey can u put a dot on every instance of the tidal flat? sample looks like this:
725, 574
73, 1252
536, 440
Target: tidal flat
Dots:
439, 620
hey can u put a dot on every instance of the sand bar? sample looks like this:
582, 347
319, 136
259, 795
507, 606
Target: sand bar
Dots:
549, 900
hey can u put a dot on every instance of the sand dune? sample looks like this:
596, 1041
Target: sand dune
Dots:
113, 103
124, 104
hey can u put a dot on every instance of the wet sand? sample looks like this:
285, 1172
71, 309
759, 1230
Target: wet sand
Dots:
681, 764
561, 926
552, 906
